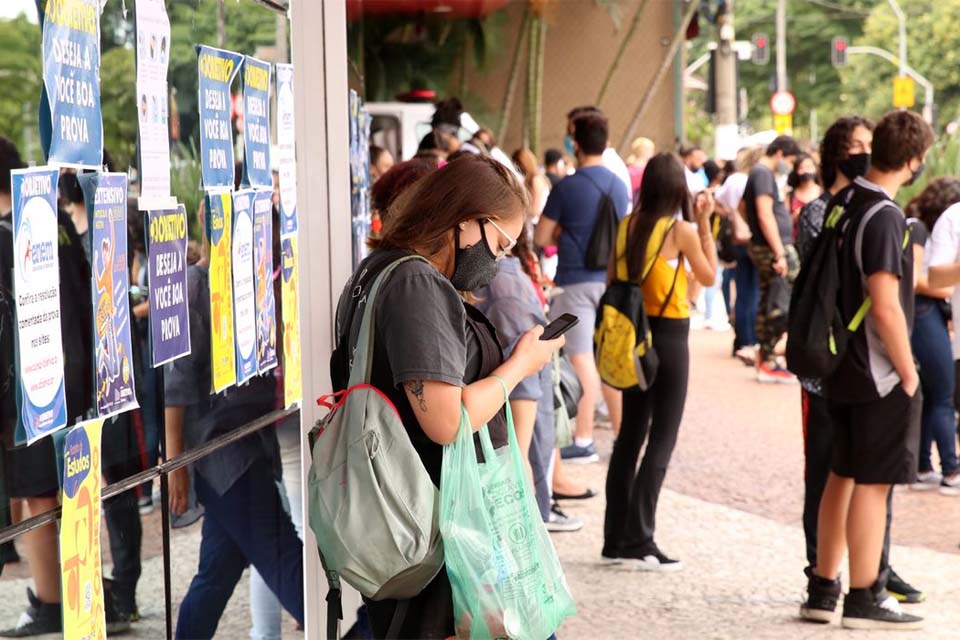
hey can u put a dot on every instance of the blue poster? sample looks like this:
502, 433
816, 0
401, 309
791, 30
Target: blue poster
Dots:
36, 281
286, 151
70, 121
106, 198
263, 275
169, 306
256, 123
216, 70
244, 304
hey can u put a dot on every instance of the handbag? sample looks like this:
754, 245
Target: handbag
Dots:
567, 393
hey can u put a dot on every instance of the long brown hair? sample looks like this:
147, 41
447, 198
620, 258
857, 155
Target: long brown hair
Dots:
423, 217
527, 164
663, 192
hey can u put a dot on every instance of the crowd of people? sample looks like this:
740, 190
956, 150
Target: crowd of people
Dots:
517, 247
509, 244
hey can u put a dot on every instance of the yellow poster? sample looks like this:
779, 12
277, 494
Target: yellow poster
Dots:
290, 304
223, 370
80, 567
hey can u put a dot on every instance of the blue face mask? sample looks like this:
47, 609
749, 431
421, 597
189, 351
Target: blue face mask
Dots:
568, 145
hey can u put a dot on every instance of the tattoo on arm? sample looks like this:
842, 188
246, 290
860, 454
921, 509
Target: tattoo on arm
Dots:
415, 387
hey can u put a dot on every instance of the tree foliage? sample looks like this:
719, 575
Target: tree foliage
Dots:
933, 49
21, 77
118, 103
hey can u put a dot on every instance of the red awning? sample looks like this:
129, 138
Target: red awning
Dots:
356, 9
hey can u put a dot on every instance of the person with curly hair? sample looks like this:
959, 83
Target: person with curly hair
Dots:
931, 344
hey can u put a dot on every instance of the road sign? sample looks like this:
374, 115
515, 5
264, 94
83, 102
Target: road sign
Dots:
783, 124
782, 103
904, 92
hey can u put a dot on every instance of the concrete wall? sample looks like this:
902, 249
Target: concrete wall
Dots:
582, 42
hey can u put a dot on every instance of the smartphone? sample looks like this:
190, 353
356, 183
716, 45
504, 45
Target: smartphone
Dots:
559, 326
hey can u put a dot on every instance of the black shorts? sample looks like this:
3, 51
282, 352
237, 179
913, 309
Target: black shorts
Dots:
877, 442
32, 471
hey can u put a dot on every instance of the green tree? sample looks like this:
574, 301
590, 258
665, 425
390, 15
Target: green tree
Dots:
933, 49
21, 77
118, 101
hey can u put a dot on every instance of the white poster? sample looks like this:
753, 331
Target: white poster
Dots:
245, 316
286, 149
36, 280
153, 56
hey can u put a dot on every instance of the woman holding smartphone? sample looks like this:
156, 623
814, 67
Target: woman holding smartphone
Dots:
653, 242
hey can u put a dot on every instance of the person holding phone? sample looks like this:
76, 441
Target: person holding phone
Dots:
660, 235
440, 355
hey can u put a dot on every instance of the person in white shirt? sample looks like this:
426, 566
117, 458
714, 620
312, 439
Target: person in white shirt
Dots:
693, 159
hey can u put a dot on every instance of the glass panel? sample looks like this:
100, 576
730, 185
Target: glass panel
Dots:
235, 500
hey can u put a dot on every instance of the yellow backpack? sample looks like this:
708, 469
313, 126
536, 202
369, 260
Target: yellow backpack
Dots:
622, 341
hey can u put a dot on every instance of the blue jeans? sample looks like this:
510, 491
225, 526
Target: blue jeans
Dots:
932, 348
748, 296
246, 525
729, 273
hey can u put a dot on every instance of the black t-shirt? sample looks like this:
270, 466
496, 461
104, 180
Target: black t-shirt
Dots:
762, 182
873, 240
424, 331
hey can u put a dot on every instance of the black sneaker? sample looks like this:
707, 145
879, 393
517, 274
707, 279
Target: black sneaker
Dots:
903, 591
117, 621
39, 618
650, 559
822, 597
875, 608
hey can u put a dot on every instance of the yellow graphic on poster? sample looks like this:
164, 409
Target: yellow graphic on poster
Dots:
223, 371
290, 305
80, 566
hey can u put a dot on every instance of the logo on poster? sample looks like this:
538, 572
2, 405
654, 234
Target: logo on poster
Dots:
76, 462
35, 256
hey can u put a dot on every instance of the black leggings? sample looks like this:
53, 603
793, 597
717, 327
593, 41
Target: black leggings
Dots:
631, 494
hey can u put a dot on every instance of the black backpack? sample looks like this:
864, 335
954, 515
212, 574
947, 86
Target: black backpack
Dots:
604, 233
817, 333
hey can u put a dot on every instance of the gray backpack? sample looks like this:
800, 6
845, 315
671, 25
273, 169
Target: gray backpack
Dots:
372, 506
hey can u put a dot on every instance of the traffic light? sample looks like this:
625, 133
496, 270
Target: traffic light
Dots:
838, 52
761, 48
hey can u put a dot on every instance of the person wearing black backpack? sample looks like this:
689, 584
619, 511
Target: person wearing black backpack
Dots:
872, 394
580, 217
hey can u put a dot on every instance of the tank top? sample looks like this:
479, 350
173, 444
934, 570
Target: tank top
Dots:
659, 275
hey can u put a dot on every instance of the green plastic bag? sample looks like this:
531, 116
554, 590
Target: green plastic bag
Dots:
506, 578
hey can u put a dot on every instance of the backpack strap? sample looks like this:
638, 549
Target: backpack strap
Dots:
663, 242
673, 285
867, 303
334, 599
360, 368
623, 274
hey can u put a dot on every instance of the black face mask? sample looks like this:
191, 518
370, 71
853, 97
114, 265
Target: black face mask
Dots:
474, 266
797, 179
916, 174
855, 165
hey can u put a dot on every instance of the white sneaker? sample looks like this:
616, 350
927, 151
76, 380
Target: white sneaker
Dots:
926, 481
561, 522
950, 485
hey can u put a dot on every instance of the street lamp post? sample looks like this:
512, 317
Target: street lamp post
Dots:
905, 70
903, 35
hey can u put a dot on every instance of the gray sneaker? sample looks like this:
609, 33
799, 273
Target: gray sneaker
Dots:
559, 521
950, 485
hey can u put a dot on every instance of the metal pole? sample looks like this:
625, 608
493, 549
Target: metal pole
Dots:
907, 71
782, 45
726, 138
903, 35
